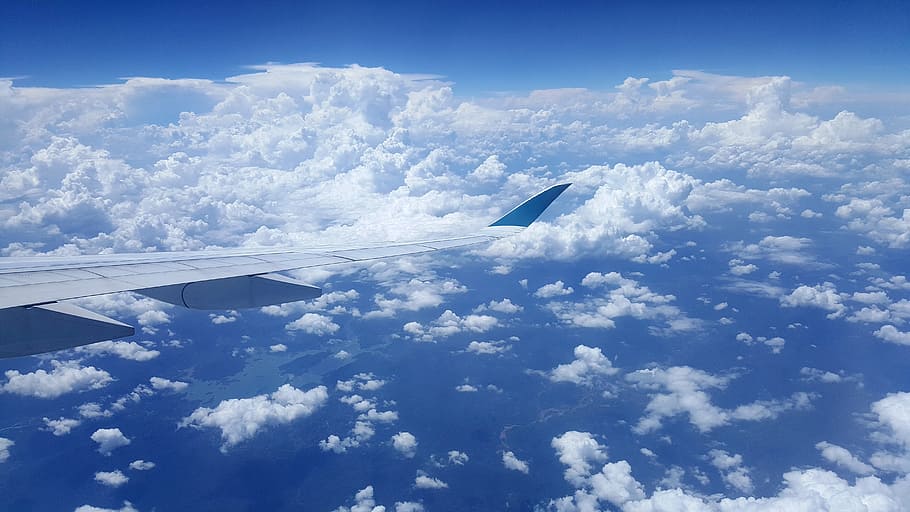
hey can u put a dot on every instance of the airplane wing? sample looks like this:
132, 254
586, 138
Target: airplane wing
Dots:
33, 319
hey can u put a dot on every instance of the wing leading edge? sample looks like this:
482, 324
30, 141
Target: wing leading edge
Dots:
33, 321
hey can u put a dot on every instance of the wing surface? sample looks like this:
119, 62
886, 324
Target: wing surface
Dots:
33, 321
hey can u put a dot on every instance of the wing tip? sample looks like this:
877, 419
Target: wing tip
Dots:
528, 211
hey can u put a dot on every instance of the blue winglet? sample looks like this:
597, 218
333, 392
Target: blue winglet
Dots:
527, 212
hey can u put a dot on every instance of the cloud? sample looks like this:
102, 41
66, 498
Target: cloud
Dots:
141, 465
557, 289
240, 419
424, 481
458, 458
822, 296
449, 324
280, 347
405, 443
625, 297
503, 306
488, 347
127, 507
842, 457
313, 323
466, 388
580, 452
589, 364
61, 426
111, 478
510, 461
5, 445
66, 377
361, 381
685, 392
891, 334
731, 468
161, 384
109, 439
125, 350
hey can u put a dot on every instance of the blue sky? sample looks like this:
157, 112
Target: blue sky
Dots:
482, 46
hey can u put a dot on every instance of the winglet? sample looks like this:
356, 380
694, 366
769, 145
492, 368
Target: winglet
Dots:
527, 212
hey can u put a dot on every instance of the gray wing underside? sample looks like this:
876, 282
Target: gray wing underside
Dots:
33, 320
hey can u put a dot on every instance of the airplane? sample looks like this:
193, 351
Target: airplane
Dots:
34, 318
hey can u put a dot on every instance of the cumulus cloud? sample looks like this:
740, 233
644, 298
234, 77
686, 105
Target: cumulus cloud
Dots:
823, 296
127, 507
449, 324
589, 364
240, 419
683, 390
458, 458
502, 306
111, 478
488, 347
65, 377
625, 297
314, 323
141, 465
61, 426
279, 347
891, 334
557, 289
161, 384
5, 445
510, 461
122, 349
731, 468
842, 457
424, 481
405, 443
109, 439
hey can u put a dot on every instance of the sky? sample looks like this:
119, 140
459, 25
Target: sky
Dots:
714, 316
481, 46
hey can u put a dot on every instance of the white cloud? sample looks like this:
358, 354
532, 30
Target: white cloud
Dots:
503, 306
127, 507
557, 289
843, 458
61, 426
242, 418
740, 268
731, 468
466, 388
122, 349
66, 377
458, 458
891, 334
111, 478
423, 481
405, 443
141, 465
363, 502
822, 296
684, 391
579, 451
160, 384
449, 324
361, 381
109, 439
5, 445
625, 298
589, 364
488, 347
510, 461
280, 347
314, 323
